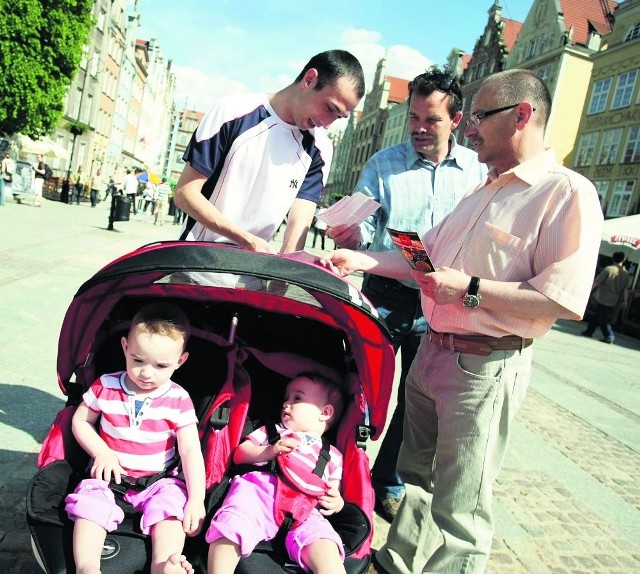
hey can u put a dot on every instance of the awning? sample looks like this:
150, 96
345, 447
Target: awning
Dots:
43, 145
623, 234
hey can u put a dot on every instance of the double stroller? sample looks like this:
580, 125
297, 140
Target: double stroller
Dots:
257, 321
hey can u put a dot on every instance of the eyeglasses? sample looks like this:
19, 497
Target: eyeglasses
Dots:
475, 119
445, 83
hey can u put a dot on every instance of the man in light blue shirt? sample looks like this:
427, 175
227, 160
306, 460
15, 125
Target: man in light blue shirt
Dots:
417, 183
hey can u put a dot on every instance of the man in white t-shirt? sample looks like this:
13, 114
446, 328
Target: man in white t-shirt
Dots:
131, 189
254, 158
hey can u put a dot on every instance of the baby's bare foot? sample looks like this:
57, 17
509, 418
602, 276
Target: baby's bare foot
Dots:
178, 564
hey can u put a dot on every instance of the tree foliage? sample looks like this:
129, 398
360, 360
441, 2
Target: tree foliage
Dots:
41, 44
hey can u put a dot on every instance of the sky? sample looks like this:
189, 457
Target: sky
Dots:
225, 47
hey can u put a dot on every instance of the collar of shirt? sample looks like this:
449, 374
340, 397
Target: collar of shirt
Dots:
154, 395
530, 171
412, 156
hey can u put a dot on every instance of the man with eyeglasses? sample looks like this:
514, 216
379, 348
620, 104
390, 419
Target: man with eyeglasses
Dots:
417, 183
515, 255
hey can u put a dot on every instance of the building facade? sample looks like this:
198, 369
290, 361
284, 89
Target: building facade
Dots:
489, 56
607, 149
119, 107
183, 125
557, 41
386, 93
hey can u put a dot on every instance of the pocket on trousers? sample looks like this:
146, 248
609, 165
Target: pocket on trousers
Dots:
481, 367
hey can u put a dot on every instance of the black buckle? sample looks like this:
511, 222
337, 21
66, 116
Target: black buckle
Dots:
220, 417
363, 434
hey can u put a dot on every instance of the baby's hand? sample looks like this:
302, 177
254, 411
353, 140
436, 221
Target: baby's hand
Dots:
332, 501
193, 520
285, 446
106, 464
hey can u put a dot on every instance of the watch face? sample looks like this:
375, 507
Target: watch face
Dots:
471, 300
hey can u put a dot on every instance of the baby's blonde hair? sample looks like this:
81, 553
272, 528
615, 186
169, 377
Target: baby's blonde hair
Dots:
166, 319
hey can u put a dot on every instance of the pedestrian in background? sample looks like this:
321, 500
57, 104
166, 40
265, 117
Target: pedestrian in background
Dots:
148, 197
515, 255
78, 180
40, 169
163, 190
98, 185
611, 286
111, 189
273, 153
7, 168
417, 183
130, 185
319, 228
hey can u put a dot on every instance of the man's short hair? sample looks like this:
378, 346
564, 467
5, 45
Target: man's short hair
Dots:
619, 257
335, 64
515, 86
437, 79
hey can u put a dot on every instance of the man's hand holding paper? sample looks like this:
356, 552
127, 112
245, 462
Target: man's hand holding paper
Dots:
344, 217
350, 210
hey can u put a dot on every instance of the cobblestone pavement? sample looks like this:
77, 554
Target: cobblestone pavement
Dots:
566, 502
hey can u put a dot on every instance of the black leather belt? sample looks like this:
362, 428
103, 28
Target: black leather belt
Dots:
477, 344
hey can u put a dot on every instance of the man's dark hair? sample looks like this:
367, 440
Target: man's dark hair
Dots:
442, 80
619, 257
335, 64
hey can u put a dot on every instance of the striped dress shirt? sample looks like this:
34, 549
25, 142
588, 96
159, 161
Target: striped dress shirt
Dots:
538, 222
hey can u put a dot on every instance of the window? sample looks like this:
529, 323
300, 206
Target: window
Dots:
609, 146
622, 191
544, 74
86, 115
75, 112
632, 149
624, 89
102, 16
602, 186
599, 96
633, 33
586, 148
533, 48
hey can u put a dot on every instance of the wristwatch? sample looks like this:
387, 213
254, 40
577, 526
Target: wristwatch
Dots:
472, 299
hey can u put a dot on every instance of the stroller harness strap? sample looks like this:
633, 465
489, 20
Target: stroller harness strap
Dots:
297, 488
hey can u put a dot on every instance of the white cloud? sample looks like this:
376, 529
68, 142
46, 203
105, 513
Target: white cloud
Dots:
366, 45
406, 62
200, 88
234, 31
200, 91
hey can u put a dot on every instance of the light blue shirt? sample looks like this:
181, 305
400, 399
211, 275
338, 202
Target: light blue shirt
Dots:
414, 193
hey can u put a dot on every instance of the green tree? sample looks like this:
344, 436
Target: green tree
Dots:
41, 44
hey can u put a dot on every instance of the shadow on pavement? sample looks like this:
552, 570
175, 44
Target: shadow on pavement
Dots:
22, 407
